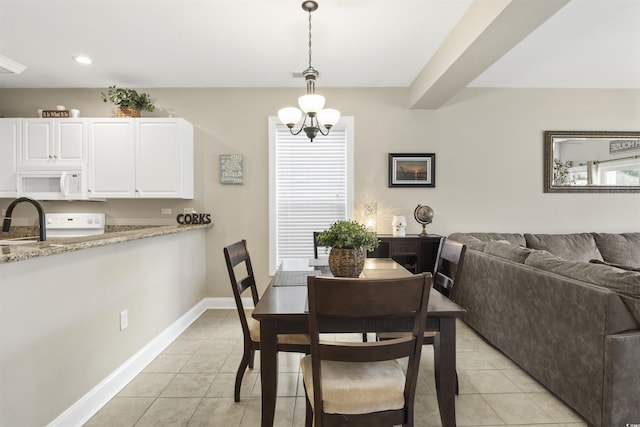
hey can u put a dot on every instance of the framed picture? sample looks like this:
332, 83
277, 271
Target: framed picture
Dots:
412, 170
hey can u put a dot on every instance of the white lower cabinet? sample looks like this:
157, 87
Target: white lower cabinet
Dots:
9, 155
141, 158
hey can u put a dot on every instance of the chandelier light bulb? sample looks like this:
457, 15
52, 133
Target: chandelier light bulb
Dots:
289, 115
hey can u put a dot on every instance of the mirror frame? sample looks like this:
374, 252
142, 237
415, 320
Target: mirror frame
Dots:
549, 135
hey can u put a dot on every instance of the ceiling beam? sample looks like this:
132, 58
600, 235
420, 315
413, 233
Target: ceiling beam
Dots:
487, 30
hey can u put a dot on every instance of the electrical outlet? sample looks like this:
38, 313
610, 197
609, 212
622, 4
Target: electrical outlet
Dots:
124, 320
165, 211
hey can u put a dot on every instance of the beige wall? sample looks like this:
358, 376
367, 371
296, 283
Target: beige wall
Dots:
488, 144
59, 318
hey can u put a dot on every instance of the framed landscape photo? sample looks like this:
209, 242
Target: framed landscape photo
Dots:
412, 170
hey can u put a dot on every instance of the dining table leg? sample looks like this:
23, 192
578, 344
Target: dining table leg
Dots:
268, 370
445, 370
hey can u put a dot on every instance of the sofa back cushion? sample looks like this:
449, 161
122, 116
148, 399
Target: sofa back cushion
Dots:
466, 239
513, 238
622, 281
478, 241
625, 283
571, 247
621, 249
508, 251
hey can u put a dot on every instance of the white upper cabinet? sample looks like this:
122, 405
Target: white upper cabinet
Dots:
111, 158
10, 130
164, 158
53, 142
141, 158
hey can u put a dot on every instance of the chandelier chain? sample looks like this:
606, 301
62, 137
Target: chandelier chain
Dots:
310, 39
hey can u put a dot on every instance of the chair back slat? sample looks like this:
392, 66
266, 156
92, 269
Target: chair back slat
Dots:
367, 352
376, 298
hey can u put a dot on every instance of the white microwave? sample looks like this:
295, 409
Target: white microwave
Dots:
63, 183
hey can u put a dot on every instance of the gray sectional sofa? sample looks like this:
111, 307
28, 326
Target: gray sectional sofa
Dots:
565, 308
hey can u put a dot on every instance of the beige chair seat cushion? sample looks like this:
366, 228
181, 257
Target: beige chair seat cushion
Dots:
254, 331
357, 388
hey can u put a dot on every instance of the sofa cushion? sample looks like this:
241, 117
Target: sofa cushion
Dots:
572, 247
625, 283
471, 242
513, 238
477, 241
624, 267
508, 251
623, 249
621, 281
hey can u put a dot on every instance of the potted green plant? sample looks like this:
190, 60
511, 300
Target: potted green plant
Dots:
129, 101
349, 241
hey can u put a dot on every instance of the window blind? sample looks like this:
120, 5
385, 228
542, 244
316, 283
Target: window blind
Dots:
311, 181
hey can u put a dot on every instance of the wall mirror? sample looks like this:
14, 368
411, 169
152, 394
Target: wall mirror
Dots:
591, 162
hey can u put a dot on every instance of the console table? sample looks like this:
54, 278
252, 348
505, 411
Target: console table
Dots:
416, 254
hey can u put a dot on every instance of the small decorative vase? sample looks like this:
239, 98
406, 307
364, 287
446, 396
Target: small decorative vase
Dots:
346, 262
127, 112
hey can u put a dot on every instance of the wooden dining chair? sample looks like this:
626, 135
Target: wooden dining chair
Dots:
448, 266
449, 263
362, 383
239, 265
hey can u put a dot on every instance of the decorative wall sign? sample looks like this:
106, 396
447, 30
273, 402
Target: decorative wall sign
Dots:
56, 114
194, 218
412, 170
231, 169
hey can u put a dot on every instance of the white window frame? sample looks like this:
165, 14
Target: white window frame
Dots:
346, 123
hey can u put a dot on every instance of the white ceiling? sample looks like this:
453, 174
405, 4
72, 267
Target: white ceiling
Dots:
258, 43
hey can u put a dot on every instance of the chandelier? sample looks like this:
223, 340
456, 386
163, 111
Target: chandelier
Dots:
311, 104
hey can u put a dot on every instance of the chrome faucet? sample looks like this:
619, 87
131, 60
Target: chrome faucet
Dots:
7, 219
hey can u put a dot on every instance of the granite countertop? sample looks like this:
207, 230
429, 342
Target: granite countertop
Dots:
112, 235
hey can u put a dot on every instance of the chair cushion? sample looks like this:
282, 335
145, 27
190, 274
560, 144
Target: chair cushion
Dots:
357, 388
254, 332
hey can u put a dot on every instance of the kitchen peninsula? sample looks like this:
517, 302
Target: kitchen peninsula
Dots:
80, 317
117, 234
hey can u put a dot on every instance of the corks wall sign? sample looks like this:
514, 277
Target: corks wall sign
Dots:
194, 218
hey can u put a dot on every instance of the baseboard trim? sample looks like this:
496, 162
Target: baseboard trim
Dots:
81, 411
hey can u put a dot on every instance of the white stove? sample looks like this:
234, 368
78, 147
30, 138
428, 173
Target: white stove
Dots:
74, 224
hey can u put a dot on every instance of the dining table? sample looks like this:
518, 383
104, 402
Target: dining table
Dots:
283, 309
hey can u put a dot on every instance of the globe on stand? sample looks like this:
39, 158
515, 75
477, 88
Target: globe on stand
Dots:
424, 215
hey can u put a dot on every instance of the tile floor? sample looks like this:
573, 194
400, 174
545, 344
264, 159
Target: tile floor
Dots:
191, 384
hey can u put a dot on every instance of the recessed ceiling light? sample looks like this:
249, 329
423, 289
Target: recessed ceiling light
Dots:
82, 59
